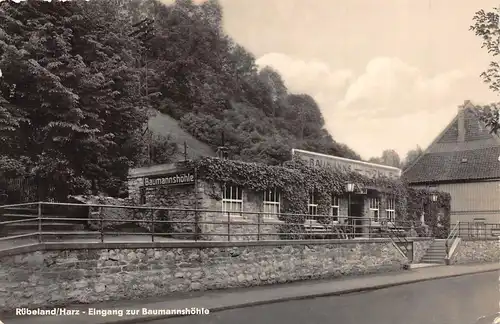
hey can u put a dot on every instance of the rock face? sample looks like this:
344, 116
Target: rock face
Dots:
476, 251
49, 278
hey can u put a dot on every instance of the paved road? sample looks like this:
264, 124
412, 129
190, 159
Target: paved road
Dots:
460, 300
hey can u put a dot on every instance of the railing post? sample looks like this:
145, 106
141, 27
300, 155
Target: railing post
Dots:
228, 226
101, 214
152, 225
369, 228
333, 225
39, 222
258, 226
196, 225
310, 228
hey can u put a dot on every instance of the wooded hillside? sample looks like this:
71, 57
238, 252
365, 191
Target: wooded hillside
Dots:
79, 77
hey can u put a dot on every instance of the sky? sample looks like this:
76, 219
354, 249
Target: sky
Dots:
387, 74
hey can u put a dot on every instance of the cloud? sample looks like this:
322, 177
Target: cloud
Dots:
382, 106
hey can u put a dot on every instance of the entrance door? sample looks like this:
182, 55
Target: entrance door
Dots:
356, 214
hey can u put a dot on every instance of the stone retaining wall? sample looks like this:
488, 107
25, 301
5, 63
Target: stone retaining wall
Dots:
68, 274
476, 251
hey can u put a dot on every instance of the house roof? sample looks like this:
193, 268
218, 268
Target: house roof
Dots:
464, 151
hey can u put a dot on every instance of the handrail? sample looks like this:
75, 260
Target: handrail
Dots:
395, 237
184, 222
451, 236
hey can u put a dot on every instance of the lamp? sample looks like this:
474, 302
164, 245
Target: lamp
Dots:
434, 197
350, 189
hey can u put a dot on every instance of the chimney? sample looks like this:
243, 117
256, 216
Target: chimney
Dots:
461, 120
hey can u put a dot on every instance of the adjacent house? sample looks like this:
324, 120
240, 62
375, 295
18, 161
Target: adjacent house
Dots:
463, 160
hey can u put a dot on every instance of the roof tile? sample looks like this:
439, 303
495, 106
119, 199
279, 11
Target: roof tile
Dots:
454, 166
448, 159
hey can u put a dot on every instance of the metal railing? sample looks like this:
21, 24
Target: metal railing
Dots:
451, 237
399, 240
46, 221
477, 230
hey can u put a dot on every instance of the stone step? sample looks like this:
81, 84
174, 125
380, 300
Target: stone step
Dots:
438, 248
433, 261
432, 258
435, 253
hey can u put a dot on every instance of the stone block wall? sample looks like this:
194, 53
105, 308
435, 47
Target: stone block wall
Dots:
213, 225
183, 200
134, 188
72, 275
476, 251
242, 228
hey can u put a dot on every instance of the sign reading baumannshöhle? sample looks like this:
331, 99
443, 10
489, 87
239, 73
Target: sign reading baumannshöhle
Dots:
172, 179
371, 170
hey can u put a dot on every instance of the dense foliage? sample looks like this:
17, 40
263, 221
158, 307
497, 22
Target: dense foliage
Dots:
435, 212
77, 83
201, 77
296, 180
487, 28
69, 95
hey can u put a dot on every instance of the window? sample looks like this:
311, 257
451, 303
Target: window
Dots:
335, 209
375, 209
232, 201
391, 210
312, 206
271, 203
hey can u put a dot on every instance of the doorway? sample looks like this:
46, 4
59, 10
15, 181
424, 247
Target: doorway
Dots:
356, 213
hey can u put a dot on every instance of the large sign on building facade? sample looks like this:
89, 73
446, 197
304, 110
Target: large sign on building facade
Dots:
371, 170
171, 179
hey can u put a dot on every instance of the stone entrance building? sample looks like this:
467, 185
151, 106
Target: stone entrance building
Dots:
217, 207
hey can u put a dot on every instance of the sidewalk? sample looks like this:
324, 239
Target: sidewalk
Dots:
237, 298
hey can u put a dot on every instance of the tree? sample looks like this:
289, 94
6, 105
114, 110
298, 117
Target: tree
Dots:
389, 157
376, 160
70, 72
486, 26
76, 86
412, 156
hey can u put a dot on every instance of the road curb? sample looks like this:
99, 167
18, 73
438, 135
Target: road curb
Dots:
146, 319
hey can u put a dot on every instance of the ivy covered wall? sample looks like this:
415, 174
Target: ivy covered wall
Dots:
295, 180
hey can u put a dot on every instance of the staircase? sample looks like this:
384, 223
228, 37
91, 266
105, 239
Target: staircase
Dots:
436, 253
